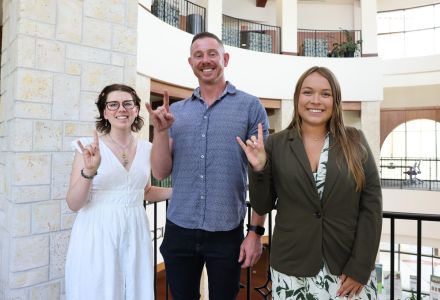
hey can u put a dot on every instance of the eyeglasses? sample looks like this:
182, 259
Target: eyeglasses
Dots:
114, 105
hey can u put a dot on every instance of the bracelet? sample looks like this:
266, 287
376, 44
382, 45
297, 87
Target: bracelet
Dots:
88, 176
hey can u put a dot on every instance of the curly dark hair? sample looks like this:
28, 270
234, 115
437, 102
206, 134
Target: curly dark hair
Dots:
102, 125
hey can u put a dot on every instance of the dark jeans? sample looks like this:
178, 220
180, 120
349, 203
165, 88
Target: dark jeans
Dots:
185, 251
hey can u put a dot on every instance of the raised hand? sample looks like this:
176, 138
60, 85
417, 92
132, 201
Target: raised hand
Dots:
162, 118
254, 149
91, 155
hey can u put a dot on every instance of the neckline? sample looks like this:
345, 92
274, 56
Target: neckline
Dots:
101, 140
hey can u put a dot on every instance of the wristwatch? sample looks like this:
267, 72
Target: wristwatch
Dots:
257, 229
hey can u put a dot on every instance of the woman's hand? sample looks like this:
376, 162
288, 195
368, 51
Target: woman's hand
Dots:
161, 118
349, 287
254, 150
91, 155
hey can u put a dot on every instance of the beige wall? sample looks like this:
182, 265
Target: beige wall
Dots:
415, 96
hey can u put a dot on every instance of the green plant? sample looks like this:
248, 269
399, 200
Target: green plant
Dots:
347, 47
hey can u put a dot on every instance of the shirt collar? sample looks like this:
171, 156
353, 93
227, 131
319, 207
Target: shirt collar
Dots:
229, 89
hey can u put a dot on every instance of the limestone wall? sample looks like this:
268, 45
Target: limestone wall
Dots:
56, 56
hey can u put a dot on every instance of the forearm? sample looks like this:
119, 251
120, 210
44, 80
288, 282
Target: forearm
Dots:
155, 194
161, 160
258, 219
78, 193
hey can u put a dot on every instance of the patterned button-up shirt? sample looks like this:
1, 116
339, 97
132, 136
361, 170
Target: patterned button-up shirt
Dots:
209, 167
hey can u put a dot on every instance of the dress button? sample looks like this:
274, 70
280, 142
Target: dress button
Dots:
317, 215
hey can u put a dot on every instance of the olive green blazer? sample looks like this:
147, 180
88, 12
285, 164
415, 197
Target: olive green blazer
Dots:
343, 229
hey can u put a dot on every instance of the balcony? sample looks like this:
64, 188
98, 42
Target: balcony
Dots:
181, 14
329, 43
250, 35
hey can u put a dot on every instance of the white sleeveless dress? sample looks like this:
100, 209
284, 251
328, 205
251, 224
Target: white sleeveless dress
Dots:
110, 251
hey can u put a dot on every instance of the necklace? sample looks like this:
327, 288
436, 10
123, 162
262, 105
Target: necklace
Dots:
124, 154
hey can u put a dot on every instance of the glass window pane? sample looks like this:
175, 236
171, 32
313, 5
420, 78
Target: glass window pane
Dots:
437, 40
419, 18
437, 15
419, 43
391, 45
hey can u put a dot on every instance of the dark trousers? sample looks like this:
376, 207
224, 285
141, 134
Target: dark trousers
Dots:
185, 251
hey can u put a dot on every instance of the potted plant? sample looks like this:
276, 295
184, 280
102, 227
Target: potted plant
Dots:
347, 48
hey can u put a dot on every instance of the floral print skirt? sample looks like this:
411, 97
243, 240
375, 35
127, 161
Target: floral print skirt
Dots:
320, 287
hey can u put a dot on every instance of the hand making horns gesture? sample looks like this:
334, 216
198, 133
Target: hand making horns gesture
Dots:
91, 155
162, 118
254, 149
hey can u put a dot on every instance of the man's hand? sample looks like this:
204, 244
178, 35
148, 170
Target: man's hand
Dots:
250, 250
161, 118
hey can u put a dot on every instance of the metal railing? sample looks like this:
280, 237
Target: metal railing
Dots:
250, 35
410, 173
265, 291
181, 14
329, 43
393, 216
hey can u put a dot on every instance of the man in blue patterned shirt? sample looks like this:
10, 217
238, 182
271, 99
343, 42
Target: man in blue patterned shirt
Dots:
195, 142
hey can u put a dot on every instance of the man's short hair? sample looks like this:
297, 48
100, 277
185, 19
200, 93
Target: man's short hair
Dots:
206, 34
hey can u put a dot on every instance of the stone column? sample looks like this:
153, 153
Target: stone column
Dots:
56, 56
369, 27
214, 9
370, 125
287, 12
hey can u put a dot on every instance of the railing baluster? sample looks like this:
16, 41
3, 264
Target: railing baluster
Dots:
419, 259
248, 270
392, 260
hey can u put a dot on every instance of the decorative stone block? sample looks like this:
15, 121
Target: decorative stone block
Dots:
97, 33
108, 10
50, 55
117, 59
49, 291
36, 29
21, 135
62, 165
25, 51
34, 86
48, 135
29, 252
28, 278
67, 221
59, 243
76, 129
73, 68
66, 97
132, 14
90, 54
32, 110
46, 217
39, 10
19, 219
36, 166
124, 39
94, 76
87, 107
26, 194
69, 25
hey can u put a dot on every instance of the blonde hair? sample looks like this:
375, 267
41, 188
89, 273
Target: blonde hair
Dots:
347, 138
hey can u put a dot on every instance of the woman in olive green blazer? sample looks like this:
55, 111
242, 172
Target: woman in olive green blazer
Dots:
322, 178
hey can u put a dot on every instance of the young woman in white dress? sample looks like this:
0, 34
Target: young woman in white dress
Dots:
110, 255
